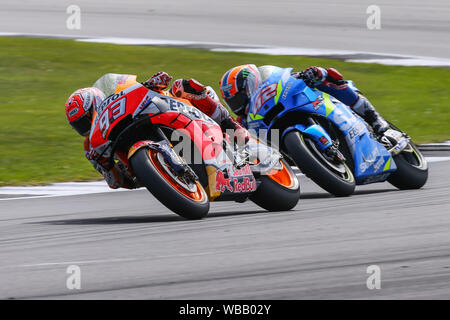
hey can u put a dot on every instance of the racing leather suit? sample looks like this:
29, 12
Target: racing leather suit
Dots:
203, 98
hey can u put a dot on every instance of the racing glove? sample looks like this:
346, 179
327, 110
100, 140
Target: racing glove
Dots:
158, 82
315, 76
189, 89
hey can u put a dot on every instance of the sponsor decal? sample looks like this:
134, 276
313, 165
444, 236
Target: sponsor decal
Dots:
265, 95
146, 106
87, 102
108, 100
378, 164
246, 184
226, 89
223, 183
324, 140
244, 171
355, 131
286, 91
372, 157
364, 166
318, 103
187, 110
143, 103
369, 161
73, 112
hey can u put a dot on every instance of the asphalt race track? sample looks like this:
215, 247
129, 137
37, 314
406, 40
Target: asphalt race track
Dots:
129, 246
412, 27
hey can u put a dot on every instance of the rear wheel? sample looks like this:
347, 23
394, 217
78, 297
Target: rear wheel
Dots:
279, 190
412, 169
181, 194
334, 177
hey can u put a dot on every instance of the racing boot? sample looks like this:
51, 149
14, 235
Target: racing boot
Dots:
395, 141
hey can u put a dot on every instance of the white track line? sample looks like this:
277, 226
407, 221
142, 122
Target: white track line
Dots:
438, 144
407, 62
437, 159
372, 57
80, 188
154, 42
100, 261
75, 262
57, 190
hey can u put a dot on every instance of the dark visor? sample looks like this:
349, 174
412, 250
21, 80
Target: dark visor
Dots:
238, 103
83, 124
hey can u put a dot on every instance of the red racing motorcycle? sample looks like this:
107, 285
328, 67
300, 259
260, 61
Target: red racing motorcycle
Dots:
182, 157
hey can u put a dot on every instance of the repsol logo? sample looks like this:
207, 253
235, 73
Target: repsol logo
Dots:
108, 100
190, 112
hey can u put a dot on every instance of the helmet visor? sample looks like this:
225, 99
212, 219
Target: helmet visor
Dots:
238, 102
252, 81
83, 124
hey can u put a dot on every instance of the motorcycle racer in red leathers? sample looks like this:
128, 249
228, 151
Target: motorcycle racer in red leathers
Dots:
81, 110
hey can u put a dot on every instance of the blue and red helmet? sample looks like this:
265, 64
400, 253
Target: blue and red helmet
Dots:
238, 85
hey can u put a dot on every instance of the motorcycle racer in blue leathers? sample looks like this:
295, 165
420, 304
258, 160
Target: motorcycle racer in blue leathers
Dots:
239, 83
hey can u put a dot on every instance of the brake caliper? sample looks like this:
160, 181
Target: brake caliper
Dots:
333, 153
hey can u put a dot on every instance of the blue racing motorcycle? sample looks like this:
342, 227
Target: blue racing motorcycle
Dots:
327, 141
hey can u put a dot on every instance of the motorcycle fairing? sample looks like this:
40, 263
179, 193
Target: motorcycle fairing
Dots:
373, 162
138, 101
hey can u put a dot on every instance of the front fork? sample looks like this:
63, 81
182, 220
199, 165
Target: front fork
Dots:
166, 149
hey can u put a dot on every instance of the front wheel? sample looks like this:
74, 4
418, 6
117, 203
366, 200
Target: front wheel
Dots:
412, 169
279, 190
183, 195
336, 178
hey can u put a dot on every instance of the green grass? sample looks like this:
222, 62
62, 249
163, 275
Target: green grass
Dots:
37, 75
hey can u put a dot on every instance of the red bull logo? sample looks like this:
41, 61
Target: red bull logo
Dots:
223, 183
245, 184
